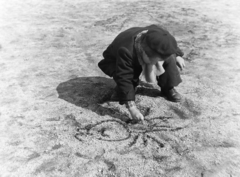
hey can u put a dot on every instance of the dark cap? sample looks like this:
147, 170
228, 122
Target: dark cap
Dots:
161, 41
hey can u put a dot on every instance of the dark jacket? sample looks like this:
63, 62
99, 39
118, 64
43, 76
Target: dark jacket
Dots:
121, 62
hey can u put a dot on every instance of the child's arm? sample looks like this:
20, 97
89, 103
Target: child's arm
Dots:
123, 77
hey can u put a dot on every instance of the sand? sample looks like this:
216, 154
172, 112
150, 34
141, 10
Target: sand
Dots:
55, 117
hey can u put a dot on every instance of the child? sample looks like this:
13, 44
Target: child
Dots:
147, 52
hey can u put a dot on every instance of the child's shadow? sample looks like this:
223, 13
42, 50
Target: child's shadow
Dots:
91, 92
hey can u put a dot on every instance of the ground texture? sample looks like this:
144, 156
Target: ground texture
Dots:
55, 120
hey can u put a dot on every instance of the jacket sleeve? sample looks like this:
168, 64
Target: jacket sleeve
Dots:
107, 65
124, 76
179, 52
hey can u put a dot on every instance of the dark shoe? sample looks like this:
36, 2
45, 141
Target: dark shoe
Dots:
172, 95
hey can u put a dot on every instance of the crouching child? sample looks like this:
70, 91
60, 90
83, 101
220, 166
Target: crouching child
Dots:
149, 52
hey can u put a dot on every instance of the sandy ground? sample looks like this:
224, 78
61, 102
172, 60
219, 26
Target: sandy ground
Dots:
54, 118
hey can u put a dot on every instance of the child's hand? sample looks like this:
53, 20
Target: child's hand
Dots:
180, 62
135, 113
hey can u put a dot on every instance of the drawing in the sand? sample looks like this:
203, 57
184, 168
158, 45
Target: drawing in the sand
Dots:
147, 131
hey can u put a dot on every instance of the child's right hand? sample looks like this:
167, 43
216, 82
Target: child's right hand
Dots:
135, 113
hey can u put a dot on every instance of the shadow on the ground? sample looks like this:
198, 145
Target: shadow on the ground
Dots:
92, 92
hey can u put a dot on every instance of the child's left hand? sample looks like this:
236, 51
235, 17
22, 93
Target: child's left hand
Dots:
180, 62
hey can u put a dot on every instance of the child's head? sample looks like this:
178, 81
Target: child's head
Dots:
150, 56
158, 45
